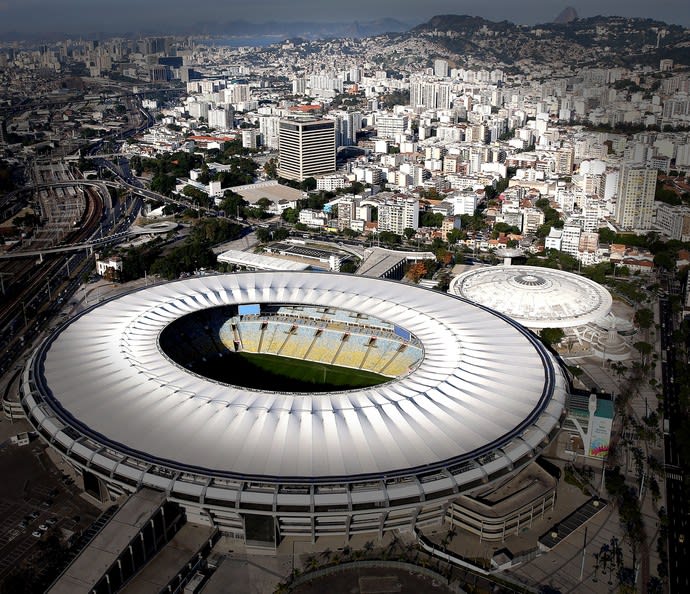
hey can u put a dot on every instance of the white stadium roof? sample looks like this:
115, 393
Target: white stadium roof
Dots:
535, 297
260, 261
484, 384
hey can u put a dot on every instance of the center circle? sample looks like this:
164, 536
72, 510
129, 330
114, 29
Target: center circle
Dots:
290, 348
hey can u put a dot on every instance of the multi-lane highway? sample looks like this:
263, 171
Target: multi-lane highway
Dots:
676, 503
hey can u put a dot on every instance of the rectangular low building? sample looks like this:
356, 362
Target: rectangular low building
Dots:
140, 528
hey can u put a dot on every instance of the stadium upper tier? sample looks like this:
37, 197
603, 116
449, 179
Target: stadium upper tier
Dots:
484, 399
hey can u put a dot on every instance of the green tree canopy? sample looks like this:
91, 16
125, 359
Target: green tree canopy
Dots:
551, 336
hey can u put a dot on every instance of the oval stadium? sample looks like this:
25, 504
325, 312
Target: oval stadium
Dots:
294, 403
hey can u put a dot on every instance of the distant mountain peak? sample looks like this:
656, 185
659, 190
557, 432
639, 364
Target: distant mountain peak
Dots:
567, 15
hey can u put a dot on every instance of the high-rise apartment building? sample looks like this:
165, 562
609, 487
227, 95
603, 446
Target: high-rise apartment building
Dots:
390, 126
347, 124
440, 68
398, 214
269, 127
306, 148
430, 94
221, 117
635, 203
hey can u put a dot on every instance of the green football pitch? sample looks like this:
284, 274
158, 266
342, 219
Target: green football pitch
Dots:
271, 372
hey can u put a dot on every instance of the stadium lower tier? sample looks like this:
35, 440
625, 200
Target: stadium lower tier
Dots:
238, 507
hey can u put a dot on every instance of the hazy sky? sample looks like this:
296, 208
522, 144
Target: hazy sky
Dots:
85, 16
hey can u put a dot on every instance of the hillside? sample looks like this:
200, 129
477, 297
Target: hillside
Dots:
603, 41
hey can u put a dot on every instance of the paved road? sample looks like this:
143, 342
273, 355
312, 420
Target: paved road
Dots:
676, 502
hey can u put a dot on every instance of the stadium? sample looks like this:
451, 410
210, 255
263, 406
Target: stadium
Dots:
541, 298
144, 390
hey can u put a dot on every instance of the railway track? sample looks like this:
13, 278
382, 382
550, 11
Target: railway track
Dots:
29, 289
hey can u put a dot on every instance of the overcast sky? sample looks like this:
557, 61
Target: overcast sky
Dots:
84, 16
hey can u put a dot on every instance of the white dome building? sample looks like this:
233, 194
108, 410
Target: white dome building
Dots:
541, 298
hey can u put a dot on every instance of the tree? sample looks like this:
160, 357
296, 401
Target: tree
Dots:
198, 196
233, 204
263, 234
389, 238
163, 184
606, 235
644, 348
409, 233
453, 236
644, 318
280, 234
505, 228
264, 203
431, 219
308, 184
664, 260
551, 336
290, 215
417, 271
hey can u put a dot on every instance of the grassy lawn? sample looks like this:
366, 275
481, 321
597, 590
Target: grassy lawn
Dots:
270, 372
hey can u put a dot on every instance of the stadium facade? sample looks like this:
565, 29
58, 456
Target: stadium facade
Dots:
481, 402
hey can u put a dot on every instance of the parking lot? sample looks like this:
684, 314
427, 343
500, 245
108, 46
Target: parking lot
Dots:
37, 502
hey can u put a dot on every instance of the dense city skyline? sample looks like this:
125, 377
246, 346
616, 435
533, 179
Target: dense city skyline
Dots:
83, 16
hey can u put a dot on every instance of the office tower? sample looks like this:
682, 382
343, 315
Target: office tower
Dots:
306, 148
635, 203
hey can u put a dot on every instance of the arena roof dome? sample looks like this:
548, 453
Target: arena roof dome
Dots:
536, 297
485, 398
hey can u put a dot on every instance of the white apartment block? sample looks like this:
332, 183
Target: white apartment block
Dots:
269, 127
330, 183
347, 208
430, 94
397, 214
533, 218
553, 240
312, 218
221, 118
391, 127
570, 239
635, 202
463, 203
673, 221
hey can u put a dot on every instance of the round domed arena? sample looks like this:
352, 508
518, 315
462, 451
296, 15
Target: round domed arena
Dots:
303, 403
536, 297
